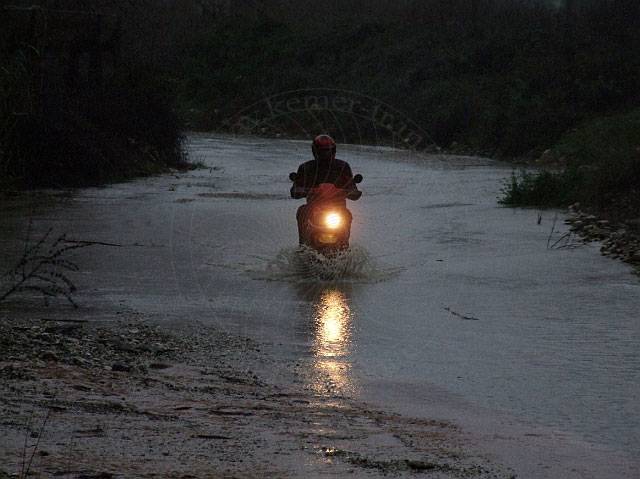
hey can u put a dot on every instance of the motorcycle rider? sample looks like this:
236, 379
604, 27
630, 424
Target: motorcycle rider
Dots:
324, 168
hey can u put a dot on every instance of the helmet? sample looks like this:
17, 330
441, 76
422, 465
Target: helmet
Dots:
323, 147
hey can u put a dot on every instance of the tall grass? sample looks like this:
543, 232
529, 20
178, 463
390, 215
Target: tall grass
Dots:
602, 170
543, 189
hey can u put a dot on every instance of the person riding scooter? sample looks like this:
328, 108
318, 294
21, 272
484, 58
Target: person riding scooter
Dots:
322, 176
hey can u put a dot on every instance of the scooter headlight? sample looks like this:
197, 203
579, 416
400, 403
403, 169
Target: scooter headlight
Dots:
333, 220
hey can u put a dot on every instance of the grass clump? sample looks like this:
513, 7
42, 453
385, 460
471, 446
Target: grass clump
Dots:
544, 188
602, 171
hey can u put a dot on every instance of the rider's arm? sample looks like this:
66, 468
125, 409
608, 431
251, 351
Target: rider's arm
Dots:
298, 189
352, 189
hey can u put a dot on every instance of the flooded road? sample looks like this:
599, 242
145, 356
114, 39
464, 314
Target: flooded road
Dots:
452, 307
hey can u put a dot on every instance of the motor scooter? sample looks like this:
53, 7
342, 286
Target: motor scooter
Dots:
324, 223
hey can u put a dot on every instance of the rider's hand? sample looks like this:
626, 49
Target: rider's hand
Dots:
298, 192
354, 194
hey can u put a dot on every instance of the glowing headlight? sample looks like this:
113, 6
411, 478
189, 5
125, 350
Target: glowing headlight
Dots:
333, 220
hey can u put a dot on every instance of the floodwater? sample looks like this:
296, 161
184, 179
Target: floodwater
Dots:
448, 306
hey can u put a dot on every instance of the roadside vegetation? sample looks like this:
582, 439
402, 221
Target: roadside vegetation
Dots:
497, 76
506, 79
500, 78
77, 106
600, 170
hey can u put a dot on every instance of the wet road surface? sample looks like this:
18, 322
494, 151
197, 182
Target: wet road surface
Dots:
455, 308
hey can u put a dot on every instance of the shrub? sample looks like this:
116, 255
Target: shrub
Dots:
602, 172
126, 128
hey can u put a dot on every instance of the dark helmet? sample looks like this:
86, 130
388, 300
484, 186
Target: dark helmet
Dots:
323, 147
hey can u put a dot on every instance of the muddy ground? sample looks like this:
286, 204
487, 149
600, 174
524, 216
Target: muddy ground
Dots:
132, 398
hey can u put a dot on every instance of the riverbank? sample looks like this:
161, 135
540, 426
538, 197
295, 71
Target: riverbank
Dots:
594, 171
130, 398
618, 240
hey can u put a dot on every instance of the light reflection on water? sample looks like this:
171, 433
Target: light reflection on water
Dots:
332, 339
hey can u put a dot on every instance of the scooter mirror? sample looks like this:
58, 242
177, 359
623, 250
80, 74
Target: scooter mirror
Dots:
292, 176
358, 178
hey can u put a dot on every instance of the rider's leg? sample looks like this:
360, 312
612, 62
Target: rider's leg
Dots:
301, 217
348, 227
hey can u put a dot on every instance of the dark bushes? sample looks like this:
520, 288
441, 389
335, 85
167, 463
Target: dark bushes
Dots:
499, 77
602, 172
544, 189
505, 78
72, 112
124, 129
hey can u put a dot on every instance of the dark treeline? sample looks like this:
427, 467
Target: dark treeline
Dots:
505, 78
82, 100
502, 77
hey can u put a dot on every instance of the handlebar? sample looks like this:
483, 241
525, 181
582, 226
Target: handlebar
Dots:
356, 179
352, 193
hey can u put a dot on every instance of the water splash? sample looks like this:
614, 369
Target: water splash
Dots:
303, 264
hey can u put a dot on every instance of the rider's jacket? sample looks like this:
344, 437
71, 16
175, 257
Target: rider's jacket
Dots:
313, 173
